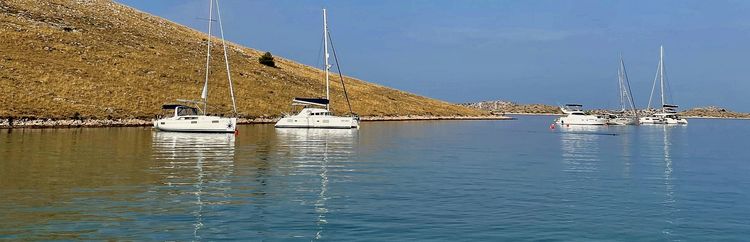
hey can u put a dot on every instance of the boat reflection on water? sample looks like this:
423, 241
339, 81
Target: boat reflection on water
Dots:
580, 146
669, 187
195, 169
318, 152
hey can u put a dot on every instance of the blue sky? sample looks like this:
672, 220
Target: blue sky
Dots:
525, 51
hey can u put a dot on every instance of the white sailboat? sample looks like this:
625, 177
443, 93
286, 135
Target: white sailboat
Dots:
316, 112
627, 115
668, 112
185, 118
574, 115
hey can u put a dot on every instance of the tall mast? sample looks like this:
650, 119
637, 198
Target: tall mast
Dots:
661, 73
226, 59
204, 94
325, 47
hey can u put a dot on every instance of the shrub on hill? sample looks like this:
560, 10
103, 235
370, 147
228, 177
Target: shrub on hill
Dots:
267, 59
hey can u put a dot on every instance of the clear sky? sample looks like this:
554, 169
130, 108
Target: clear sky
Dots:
525, 51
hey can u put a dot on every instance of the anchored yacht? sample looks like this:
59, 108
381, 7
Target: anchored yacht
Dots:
627, 115
183, 118
316, 112
576, 116
188, 119
316, 115
668, 112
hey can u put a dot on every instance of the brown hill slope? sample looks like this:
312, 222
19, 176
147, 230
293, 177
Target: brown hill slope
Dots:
101, 59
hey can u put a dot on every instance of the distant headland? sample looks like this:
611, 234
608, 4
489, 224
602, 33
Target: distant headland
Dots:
507, 107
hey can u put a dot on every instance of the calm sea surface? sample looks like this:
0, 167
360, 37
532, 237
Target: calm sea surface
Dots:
445, 180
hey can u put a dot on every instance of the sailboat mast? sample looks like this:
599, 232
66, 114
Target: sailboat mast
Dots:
226, 58
325, 47
661, 73
204, 94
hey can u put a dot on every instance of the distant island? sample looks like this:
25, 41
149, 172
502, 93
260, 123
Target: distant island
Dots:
68, 63
507, 107
713, 112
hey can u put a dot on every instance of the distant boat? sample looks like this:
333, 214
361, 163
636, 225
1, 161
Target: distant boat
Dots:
668, 112
316, 112
186, 118
574, 115
627, 115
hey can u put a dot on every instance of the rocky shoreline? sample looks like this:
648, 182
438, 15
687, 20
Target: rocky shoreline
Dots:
76, 123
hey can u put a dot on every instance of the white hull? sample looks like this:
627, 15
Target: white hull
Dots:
319, 122
581, 120
623, 121
658, 120
650, 120
197, 123
676, 121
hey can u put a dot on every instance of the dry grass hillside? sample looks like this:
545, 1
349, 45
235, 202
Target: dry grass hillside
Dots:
101, 59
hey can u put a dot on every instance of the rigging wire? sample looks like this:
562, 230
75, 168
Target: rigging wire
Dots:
338, 69
650, 97
627, 88
226, 59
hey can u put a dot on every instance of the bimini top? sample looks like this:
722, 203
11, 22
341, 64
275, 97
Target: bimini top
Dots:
311, 101
574, 105
173, 106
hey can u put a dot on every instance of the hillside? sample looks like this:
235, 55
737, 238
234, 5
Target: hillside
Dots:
100, 59
713, 112
499, 106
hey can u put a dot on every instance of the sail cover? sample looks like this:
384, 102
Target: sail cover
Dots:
173, 106
311, 101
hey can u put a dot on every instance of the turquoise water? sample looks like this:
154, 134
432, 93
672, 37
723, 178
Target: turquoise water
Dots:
445, 180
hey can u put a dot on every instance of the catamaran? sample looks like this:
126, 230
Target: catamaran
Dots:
574, 115
627, 115
668, 112
186, 118
316, 112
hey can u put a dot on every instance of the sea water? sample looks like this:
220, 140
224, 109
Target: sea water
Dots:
388, 181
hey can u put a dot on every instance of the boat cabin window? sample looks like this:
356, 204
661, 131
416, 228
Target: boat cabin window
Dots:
185, 111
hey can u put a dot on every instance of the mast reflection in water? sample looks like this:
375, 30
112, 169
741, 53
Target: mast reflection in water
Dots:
313, 152
195, 170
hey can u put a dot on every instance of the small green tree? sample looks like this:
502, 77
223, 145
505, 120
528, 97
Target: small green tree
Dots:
267, 59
